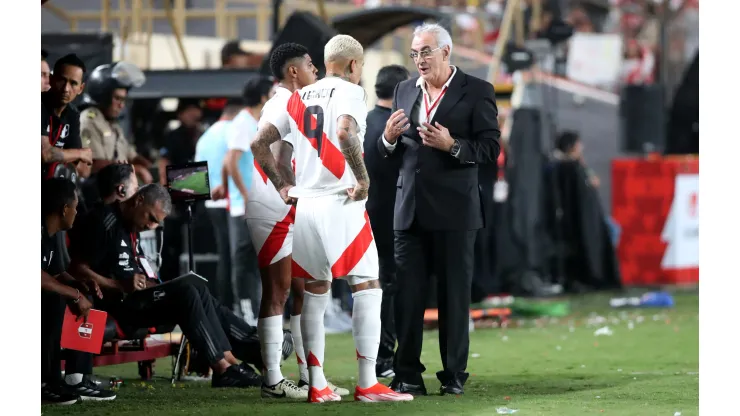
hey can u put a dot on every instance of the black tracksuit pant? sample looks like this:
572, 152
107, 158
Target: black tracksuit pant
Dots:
210, 326
52, 318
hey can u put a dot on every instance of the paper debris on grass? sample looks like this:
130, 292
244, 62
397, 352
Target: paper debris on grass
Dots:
506, 411
677, 414
475, 355
605, 330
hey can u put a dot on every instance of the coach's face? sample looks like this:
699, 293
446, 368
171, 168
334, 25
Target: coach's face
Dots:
431, 61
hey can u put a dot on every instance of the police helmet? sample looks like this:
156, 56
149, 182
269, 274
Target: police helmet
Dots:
105, 78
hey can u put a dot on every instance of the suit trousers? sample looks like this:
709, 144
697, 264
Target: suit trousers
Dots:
419, 255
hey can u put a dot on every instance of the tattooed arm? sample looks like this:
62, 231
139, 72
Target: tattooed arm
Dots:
283, 153
349, 142
266, 136
49, 153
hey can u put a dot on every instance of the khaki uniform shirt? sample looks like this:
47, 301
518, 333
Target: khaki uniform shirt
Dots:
105, 138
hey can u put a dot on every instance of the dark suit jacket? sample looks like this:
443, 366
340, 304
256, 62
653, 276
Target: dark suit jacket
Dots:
434, 188
383, 178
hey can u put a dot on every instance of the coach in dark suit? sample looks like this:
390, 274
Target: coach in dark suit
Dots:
443, 126
380, 200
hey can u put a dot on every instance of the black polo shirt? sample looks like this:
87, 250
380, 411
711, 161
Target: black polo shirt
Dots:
101, 240
179, 145
50, 249
63, 132
383, 175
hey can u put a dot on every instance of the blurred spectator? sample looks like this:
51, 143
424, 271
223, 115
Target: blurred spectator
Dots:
245, 276
569, 147
99, 123
580, 20
60, 121
234, 57
179, 148
638, 66
212, 148
45, 71
179, 144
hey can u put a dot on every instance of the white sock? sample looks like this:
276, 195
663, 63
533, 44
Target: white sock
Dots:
270, 331
366, 332
312, 329
73, 379
300, 355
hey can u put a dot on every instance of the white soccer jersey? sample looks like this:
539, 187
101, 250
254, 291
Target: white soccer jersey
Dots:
311, 120
264, 201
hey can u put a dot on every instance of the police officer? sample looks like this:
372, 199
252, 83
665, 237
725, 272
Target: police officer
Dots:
106, 93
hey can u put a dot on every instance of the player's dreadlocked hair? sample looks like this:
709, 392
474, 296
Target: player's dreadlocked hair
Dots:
282, 54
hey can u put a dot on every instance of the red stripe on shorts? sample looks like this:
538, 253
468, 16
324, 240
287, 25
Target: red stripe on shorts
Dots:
275, 240
299, 272
354, 252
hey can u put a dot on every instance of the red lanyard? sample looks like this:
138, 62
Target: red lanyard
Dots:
434, 105
59, 132
133, 243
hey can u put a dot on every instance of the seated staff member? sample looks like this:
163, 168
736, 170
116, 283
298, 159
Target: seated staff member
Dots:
115, 182
58, 212
105, 249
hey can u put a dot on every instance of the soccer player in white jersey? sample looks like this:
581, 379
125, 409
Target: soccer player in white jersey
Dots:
270, 223
332, 235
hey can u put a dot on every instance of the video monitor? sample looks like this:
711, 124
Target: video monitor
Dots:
188, 182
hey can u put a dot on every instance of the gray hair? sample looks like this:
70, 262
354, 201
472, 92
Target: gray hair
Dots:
153, 193
440, 34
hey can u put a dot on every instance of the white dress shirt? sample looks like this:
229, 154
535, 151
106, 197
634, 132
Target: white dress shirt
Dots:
422, 116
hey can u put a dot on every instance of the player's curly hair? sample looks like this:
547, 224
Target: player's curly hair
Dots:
282, 54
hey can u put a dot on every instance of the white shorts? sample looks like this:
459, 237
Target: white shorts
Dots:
333, 239
273, 240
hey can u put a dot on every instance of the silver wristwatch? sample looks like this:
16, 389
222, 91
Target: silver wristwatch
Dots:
455, 149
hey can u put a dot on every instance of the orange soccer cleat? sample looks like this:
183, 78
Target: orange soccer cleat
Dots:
320, 396
380, 393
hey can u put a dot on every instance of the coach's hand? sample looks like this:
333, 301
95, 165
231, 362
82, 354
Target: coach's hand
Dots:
289, 200
359, 192
436, 136
395, 126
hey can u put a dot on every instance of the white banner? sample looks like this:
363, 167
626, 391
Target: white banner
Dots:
594, 59
681, 230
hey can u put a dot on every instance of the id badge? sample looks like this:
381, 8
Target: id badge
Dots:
147, 268
500, 191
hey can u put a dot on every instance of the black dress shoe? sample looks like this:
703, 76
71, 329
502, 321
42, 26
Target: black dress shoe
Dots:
412, 389
452, 386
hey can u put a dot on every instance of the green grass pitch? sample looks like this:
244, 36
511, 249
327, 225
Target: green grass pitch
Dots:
557, 367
